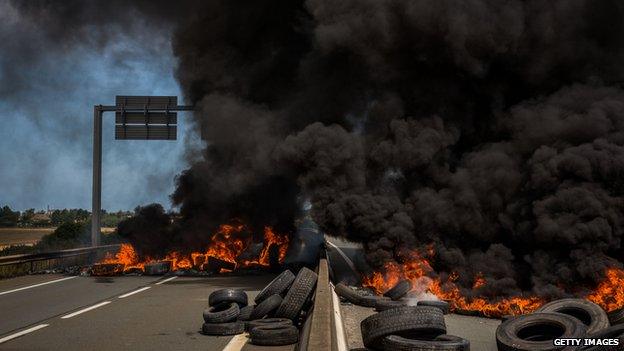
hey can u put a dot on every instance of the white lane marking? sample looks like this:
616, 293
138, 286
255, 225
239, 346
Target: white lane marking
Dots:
86, 309
36, 285
134, 292
166, 280
340, 334
237, 343
23, 332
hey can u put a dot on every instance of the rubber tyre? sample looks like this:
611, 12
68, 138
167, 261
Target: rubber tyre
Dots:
370, 300
266, 307
221, 313
228, 295
443, 305
410, 321
274, 335
616, 317
613, 332
440, 343
592, 315
347, 293
268, 321
300, 290
277, 286
383, 305
245, 313
507, 338
399, 290
223, 329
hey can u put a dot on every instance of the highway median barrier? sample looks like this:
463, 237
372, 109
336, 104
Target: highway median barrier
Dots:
16, 265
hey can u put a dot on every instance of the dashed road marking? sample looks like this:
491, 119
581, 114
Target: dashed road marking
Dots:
166, 280
36, 285
134, 292
237, 343
86, 310
23, 332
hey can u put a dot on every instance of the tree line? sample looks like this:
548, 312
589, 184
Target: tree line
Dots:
54, 218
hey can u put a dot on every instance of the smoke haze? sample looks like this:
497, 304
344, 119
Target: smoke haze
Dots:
492, 130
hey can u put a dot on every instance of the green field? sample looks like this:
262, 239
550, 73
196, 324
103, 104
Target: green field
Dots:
22, 236
28, 236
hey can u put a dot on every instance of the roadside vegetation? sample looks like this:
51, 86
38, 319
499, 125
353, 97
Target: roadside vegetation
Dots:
71, 228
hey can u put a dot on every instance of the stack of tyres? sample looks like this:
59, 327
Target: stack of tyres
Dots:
275, 317
222, 315
279, 308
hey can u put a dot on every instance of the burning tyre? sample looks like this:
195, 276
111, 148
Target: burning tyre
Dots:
536, 332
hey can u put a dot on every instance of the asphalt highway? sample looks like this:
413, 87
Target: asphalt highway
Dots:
54, 312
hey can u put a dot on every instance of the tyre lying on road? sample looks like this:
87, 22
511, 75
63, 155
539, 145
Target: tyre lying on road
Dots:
222, 329
613, 332
442, 305
439, 343
274, 335
399, 290
221, 313
592, 315
413, 322
535, 332
357, 298
616, 317
383, 305
228, 295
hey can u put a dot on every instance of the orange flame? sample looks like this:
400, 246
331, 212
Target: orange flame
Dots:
609, 294
227, 244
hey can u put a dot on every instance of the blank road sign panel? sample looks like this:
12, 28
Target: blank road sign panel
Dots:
149, 118
143, 132
142, 102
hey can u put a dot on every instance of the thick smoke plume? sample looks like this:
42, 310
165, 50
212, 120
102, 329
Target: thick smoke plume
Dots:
492, 130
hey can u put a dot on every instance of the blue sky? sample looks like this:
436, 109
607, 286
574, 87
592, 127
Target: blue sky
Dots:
47, 120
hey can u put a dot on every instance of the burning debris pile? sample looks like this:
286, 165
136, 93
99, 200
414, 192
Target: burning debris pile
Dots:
417, 270
231, 247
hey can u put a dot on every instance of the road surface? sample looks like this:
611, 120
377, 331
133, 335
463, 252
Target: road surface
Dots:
55, 312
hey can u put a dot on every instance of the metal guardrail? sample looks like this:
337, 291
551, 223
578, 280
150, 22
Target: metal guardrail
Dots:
15, 265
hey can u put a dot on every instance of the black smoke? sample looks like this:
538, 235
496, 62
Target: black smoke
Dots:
492, 130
